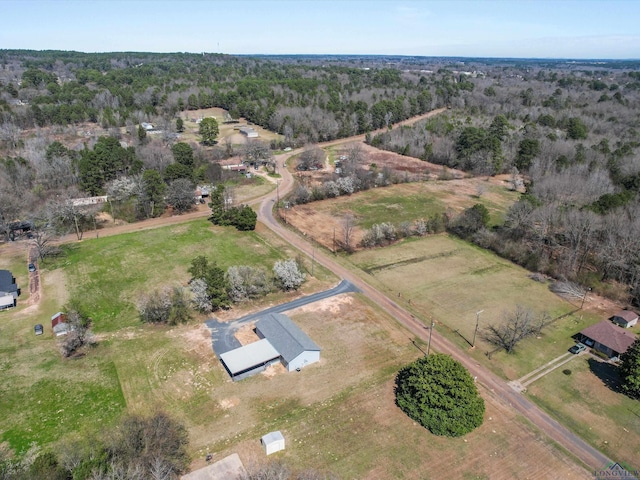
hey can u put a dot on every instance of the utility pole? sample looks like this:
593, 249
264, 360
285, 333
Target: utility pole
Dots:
334, 240
473, 344
584, 297
430, 332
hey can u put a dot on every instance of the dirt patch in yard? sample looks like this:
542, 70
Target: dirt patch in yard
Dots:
246, 334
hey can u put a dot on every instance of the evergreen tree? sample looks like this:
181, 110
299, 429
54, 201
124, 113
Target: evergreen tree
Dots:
630, 370
209, 130
439, 393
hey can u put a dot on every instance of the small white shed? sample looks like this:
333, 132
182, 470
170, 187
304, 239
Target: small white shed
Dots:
272, 442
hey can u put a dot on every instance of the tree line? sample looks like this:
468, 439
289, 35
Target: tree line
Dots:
572, 136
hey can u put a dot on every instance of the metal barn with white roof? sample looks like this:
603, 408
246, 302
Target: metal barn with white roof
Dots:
249, 359
281, 340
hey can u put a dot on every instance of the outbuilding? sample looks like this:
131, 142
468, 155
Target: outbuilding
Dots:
272, 442
250, 359
59, 324
249, 132
7, 301
296, 349
625, 318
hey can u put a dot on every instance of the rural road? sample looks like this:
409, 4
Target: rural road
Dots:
496, 388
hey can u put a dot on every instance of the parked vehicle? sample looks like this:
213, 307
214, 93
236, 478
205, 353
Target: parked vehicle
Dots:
38, 329
32, 267
578, 348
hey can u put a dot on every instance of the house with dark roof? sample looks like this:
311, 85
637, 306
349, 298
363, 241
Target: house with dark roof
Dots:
607, 338
625, 318
8, 284
295, 347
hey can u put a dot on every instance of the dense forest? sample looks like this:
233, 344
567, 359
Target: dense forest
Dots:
570, 129
573, 134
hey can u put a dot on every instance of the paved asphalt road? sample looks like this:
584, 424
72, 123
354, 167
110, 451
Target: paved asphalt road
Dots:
493, 386
222, 333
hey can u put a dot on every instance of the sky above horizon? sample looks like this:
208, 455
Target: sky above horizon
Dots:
591, 29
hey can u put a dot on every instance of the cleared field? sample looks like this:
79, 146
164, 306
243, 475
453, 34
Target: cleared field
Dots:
448, 280
108, 275
405, 202
338, 415
43, 397
228, 131
587, 402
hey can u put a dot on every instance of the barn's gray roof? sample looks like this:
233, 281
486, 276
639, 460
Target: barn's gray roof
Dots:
285, 336
6, 278
7, 283
248, 356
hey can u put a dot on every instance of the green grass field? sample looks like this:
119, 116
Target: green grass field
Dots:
408, 202
337, 415
107, 275
449, 280
134, 366
586, 402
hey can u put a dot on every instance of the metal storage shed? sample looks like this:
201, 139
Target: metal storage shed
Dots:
250, 359
272, 442
296, 348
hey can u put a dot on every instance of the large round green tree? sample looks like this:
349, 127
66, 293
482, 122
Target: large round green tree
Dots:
438, 392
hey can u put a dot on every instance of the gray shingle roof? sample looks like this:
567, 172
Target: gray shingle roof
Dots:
7, 282
285, 336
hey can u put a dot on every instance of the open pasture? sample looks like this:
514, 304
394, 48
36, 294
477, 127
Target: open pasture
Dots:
444, 279
338, 415
399, 203
587, 401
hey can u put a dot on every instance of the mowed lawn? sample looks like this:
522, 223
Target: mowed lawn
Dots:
447, 280
109, 275
586, 401
44, 397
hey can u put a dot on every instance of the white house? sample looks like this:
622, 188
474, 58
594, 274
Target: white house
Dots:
625, 318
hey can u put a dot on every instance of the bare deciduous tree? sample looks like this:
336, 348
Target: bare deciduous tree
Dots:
515, 326
43, 243
348, 226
